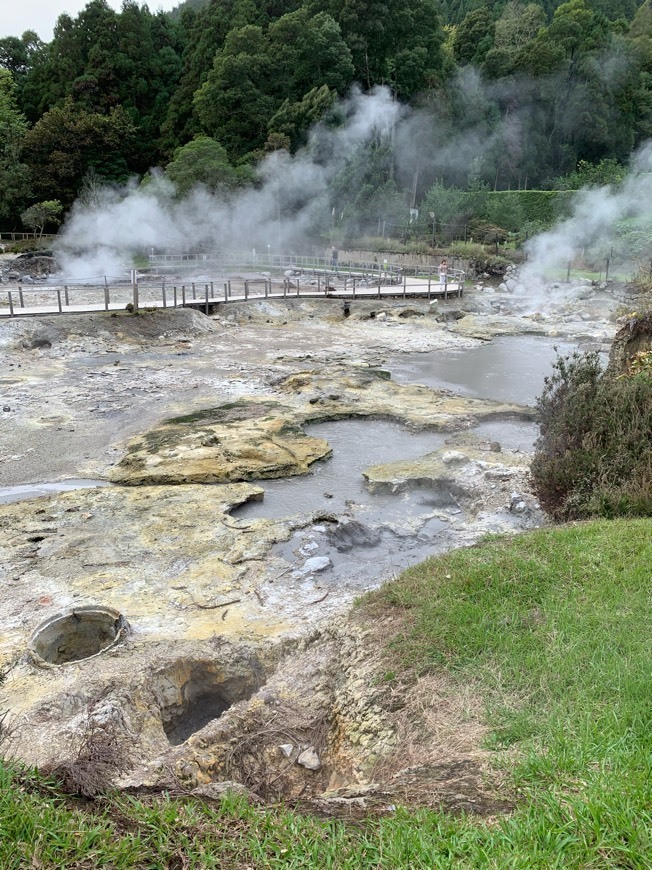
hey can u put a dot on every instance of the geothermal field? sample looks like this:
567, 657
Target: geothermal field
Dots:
190, 505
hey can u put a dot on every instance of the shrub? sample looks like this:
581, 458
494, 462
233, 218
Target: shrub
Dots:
594, 454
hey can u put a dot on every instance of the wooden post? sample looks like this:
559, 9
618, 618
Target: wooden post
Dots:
379, 286
20, 297
246, 290
183, 294
65, 295
568, 272
206, 299
136, 301
193, 290
174, 295
266, 293
446, 286
285, 288
606, 271
59, 300
228, 284
226, 292
318, 283
165, 301
11, 304
429, 283
212, 291
404, 285
106, 298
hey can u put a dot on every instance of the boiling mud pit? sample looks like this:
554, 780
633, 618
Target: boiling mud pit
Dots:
235, 595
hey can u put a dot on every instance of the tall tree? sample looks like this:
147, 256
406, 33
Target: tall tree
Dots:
393, 42
68, 141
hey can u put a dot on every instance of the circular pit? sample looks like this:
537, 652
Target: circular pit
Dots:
81, 634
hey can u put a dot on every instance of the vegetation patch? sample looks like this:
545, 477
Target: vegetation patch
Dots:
594, 454
230, 412
551, 629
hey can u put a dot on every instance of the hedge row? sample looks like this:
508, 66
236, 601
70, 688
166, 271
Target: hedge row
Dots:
511, 209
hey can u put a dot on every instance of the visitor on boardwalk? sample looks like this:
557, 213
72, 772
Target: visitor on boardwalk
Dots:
334, 257
443, 272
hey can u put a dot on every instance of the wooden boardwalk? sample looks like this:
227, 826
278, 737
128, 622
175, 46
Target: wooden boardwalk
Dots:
32, 300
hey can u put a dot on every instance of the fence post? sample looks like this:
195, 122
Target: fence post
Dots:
136, 302
606, 271
446, 286
20, 297
404, 285
183, 294
59, 300
246, 290
429, 283
174, 295
568, 272
106, 298
11, 304
226, 292
65, 294
206, 299
193, 290
165, 302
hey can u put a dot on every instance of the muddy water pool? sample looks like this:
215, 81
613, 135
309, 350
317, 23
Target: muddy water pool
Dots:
509, 368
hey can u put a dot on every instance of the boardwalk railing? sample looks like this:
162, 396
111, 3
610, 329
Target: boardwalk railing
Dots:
51, 298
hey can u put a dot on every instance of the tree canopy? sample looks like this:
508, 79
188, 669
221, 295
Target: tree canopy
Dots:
514, 93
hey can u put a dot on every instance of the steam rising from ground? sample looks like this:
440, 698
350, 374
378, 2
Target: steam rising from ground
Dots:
290, 205
101, 238
607, 223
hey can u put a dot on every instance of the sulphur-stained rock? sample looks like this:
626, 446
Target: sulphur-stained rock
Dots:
255, 439
246, 440
457, 474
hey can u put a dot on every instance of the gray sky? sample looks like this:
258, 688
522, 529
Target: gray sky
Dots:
17, 16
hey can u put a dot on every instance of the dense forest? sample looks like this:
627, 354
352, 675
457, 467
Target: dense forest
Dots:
503, 95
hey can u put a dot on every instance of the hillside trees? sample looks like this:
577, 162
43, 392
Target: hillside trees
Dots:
103, 59
68, 141
257, 72
392, 42
14, 174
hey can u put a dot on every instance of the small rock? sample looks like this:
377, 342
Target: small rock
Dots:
495, 447
287, 749
316, 563
309, 759
6, 408
381, 316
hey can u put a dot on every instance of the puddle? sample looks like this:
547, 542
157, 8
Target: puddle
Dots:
510, 368
510, 434
36, 490
356, 445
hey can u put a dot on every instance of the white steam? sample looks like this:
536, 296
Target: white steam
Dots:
592, 234
102, 238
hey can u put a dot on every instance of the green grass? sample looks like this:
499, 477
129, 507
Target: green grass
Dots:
552, 628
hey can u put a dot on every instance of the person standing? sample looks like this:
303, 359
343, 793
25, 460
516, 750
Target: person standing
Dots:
443, 272
334, 257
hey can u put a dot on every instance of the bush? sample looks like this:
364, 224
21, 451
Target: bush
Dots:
594, 456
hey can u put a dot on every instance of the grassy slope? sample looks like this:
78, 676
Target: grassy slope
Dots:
553, 627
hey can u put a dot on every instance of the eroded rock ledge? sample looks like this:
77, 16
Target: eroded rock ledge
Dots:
254, 439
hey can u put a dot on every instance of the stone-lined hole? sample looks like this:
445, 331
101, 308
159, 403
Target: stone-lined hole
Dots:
192, 694
81, 634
